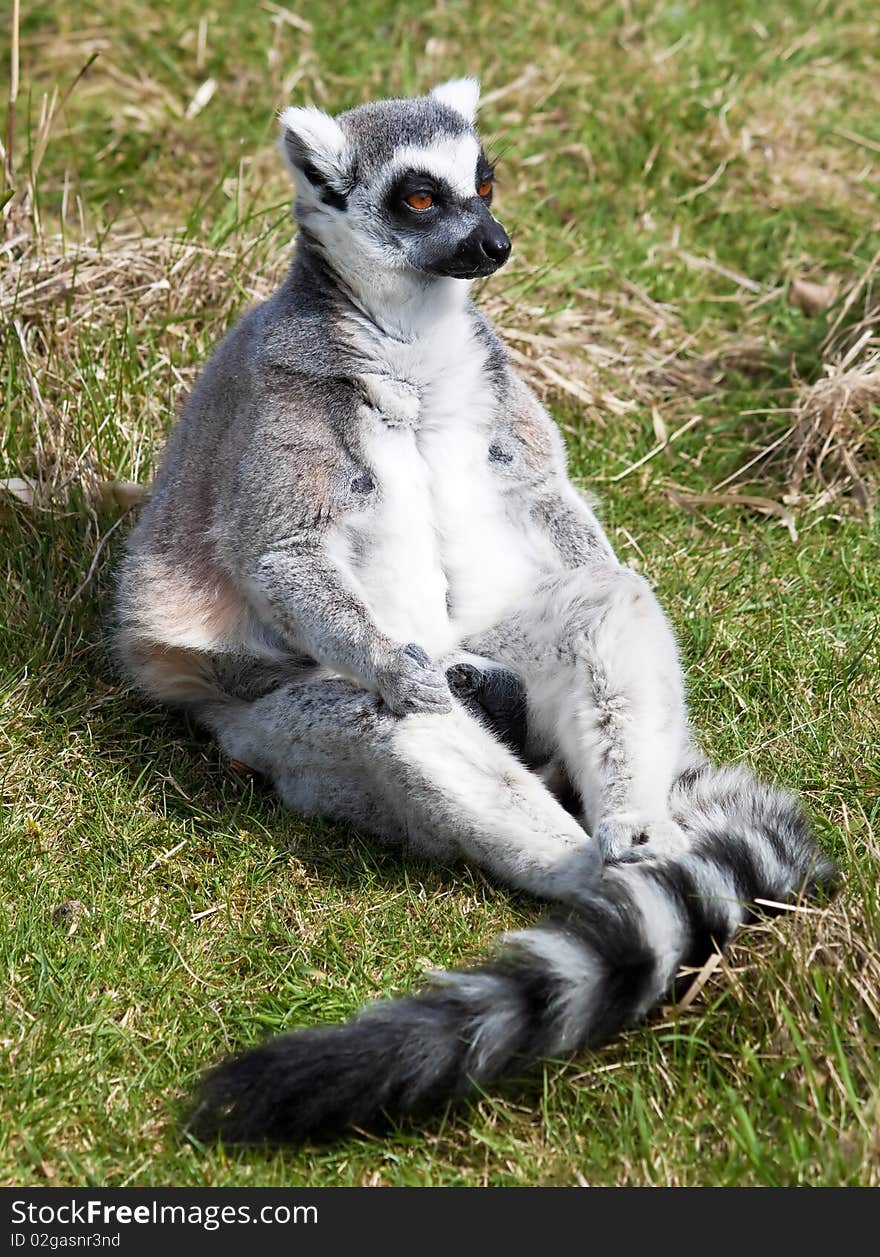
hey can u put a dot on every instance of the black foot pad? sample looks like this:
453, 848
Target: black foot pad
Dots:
497, 696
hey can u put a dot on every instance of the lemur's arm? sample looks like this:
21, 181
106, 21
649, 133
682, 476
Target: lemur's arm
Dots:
561, 512
294, 480
315, 609
567, 519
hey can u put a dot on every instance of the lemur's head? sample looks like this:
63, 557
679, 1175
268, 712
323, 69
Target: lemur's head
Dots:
402, 185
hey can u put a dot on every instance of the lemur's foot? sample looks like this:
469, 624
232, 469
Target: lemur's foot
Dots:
626, 838
497, 695
410, 683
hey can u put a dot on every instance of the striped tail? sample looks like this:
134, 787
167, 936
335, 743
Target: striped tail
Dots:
565, 985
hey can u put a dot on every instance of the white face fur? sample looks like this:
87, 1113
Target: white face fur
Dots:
397, 188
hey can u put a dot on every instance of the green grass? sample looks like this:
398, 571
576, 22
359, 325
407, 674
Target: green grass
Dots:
157, 909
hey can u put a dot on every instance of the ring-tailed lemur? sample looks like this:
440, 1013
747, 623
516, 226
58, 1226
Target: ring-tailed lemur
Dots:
365, 568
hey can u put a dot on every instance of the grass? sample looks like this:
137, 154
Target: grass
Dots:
668, 171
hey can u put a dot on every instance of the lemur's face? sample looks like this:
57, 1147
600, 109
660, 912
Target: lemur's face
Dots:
432, 205
401, 185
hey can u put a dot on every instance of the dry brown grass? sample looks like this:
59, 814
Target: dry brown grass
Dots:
609, 355
55, 294
604, 354
837, 416
829, 450
835, 419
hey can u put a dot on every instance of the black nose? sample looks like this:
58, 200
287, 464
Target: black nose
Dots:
495, 244
480, 253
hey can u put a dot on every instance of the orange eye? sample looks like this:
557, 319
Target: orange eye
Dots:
420, 200
484, 188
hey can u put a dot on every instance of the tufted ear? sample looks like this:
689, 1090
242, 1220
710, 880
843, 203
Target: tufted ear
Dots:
462, 95
314, 145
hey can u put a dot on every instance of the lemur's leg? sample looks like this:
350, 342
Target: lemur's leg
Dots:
605, 691
440, 784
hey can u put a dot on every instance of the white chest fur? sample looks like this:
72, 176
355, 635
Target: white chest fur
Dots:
442, 551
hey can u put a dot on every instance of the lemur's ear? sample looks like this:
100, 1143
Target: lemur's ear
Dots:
462, 95
314, 145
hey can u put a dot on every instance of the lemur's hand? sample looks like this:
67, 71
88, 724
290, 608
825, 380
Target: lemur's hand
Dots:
409, 683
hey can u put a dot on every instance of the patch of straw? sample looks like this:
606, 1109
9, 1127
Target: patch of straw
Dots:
835, 419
